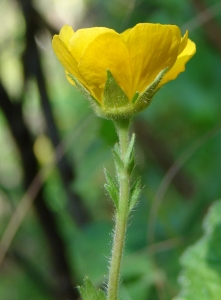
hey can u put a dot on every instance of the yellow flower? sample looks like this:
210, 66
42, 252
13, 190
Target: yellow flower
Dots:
120, 73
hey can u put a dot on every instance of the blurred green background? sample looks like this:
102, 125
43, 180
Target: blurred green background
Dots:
48, 130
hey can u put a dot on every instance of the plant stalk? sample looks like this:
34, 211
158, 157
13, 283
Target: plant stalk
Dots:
121, 215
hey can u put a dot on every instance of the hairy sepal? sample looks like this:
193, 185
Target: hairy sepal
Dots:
95, 104
113, 97
144, 98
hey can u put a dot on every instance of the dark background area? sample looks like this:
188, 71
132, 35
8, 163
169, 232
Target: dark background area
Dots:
55, 219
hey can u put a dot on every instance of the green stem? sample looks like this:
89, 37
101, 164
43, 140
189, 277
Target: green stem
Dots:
122, 213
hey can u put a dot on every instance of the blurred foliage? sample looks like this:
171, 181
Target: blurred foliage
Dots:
181, 114
201, 262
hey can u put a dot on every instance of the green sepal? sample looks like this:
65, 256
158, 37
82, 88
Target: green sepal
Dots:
111, 188
113, 97
117, 159
88, 291
115, 104
85, 92
135, 193
136, 95
144, 99
129, 156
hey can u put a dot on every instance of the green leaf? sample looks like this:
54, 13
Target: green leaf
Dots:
135, 193
111, 188
129, 156
131, 163
201, 275
114, 96
139, 276
88, 291
117, 159
101, 295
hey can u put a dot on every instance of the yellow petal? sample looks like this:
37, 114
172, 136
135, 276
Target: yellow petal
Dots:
180, 63
97, 93
183, 43
106, 52
82, 38
65, 57
176, 31
65, 34
125, 34
152, 48
69, 78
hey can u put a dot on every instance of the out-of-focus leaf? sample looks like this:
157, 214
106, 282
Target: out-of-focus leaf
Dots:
138, 276
201, 275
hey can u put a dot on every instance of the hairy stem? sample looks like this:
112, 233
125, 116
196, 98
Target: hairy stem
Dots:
122, 213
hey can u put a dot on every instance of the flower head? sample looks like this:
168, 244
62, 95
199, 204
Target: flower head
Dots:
120, 73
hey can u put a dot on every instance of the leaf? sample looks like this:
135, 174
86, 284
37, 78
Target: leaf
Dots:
117, 159
131, 164
129, 156
135, 193
139, 276
88, 291
101, 295
111, 188
201, 275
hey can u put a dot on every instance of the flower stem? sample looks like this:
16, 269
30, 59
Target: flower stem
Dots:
122, 213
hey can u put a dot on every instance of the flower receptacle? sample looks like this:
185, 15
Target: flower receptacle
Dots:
115, 103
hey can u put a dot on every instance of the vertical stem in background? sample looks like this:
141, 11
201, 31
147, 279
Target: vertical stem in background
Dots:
121, 213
